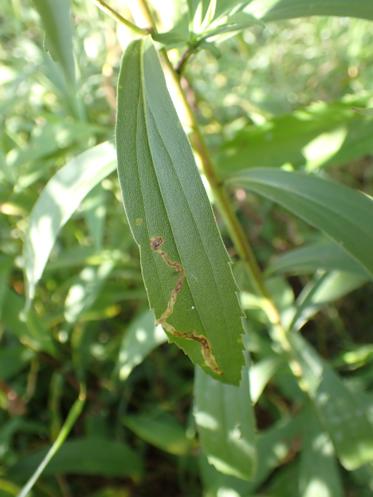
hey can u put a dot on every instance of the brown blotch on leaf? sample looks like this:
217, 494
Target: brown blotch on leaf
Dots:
156, 242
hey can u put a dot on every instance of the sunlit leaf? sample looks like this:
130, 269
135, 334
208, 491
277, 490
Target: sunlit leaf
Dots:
225, 423
85, 289
58, 201
342, 413
318, 473
260, 375
139, 340
184, 263
320, 135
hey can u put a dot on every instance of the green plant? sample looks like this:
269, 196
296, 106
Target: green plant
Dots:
282, 401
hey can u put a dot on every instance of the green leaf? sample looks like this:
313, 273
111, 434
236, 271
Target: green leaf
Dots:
185, 266
84, 291
225, 424
57, 24
218, 484
321, 291
345, 215
85, 456
320, 135
260, 375
342, 413
12, 359
289, 9
274, 445
5, 270
28, 327
318, 472
56, 204
325, 255
161, 431
139, 340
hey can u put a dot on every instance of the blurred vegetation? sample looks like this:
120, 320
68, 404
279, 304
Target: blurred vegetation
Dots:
89, 321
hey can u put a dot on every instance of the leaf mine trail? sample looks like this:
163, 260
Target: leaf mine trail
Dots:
156, 243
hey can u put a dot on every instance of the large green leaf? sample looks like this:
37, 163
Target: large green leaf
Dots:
225, 423
342, 413
342, 213
184, 263
57, 24
56, 204
288, 9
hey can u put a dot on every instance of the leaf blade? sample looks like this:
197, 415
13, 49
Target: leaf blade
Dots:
225, 423
342, 213
57, 24
289, 9
51, 211
182, 256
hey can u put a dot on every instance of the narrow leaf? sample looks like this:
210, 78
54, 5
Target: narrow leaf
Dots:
57, 24
86, 456
318, 472
321, 291
289, 9
325, 255
342, 413
140, 339
260, 375
343, 214
185, 266
56, 204
84, 291
319, 135
225, 423
161, 431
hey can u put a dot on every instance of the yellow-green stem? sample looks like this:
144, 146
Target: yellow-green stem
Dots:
102, 5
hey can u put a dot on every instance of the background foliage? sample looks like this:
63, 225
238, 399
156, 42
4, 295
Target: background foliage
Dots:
295, 95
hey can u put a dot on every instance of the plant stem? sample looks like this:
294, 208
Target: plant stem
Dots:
71, 419
102, 5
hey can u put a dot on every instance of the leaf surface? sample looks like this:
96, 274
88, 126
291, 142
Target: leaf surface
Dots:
185, 266
85, 456
225, 423
342, 413
318, 472
289, 9
345, 215
319, 135
57, 24
324, 254
139, 340
56, 204
162, 431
